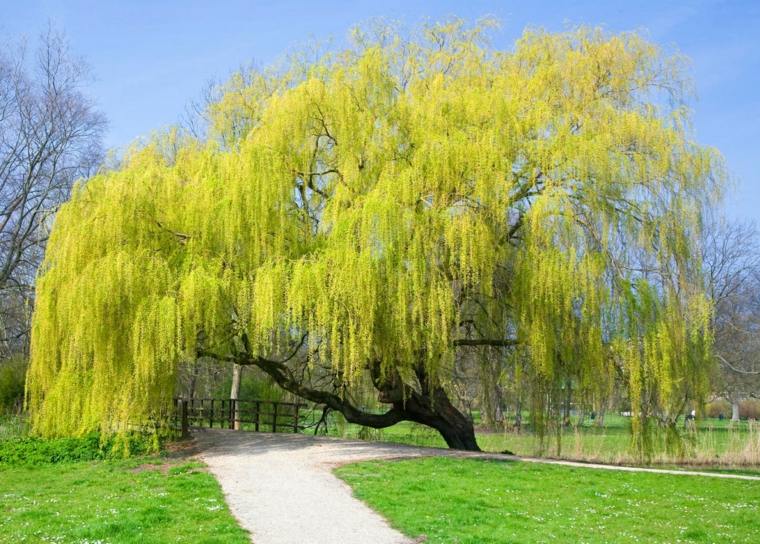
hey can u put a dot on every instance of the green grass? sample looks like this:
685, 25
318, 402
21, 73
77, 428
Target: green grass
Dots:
115, 502
473, 501
78, 490
716, 443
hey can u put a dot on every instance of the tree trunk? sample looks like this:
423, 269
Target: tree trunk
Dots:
599, 422
568, 402
458, 432
428, 406
437, 411
193, 380
734, 410
499, 411
517, 427
237, 373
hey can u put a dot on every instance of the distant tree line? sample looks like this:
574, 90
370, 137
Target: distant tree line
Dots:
50, 136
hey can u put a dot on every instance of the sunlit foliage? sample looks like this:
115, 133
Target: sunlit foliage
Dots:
391, 200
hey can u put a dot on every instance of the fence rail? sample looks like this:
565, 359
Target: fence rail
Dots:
245, 415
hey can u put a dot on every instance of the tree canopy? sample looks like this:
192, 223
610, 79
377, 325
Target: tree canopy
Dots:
358, 221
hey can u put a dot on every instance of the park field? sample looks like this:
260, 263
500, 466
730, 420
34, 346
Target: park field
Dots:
712, 443
69, 491
487, 502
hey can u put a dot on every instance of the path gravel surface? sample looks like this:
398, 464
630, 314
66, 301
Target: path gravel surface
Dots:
281, 487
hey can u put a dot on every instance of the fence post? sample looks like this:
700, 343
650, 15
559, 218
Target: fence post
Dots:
230, 411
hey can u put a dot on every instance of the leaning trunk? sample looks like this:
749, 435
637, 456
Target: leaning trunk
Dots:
432, 409
457, 430
437, 411
429, 405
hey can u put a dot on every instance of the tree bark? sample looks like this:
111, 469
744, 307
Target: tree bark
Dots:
734, 410
430, 406
568, 402
434, 410
517, 427
455, 428
237, 372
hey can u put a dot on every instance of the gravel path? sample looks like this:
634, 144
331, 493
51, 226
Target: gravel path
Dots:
281, 488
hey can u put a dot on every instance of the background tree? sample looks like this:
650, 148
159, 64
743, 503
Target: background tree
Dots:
50, 135
731, 256
369, 217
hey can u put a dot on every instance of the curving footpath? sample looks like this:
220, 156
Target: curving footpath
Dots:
281, 488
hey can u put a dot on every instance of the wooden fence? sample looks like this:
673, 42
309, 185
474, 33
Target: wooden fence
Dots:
245, 415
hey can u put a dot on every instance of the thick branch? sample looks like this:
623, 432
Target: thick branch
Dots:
734, 369
281, 374
495, 342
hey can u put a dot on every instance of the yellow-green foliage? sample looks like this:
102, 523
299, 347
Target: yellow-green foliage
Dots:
367, 199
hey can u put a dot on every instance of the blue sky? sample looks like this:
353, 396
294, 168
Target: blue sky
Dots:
151, 58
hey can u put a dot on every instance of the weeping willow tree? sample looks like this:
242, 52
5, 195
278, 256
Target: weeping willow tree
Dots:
352, 225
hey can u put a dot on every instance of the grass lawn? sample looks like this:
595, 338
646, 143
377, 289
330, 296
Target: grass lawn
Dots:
721, 444
474, 501
141, 500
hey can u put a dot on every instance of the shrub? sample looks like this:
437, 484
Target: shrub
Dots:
12, 375
13, 426
36, 451
714, 409
749, 409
